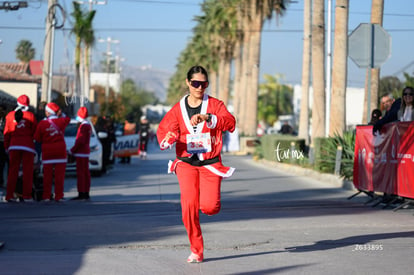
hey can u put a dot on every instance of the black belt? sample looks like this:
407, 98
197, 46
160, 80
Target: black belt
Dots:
197, 162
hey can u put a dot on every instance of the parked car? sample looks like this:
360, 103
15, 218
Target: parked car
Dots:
95, 157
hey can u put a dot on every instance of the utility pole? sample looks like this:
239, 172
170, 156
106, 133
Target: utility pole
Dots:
118, 69
48, 53
108, 54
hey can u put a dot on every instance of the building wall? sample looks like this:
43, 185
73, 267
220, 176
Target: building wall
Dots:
102, 79
16, 89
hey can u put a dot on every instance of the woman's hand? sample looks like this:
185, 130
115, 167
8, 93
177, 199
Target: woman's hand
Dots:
198, 118
170, 136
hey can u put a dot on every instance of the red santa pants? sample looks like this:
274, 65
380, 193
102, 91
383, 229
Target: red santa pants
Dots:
59, 176
83, 175
200, 190
26, 158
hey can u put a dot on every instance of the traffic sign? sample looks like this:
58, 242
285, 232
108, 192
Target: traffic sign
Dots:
369, 45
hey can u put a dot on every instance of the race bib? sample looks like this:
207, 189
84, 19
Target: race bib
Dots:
198, 143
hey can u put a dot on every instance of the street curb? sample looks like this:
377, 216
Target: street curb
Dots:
331, 179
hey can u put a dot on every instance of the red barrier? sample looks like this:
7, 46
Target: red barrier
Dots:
385, 162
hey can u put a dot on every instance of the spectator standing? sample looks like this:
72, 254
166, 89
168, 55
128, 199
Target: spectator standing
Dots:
376, 115
386, 102
18, 142
100, 127
80, 151
144, 133
286, 129
50, 133
391, 107
3, 155
130, 128
406, 110
196, 125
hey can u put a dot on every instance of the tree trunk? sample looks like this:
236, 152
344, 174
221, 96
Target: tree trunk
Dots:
224, 74
253, 87
318, 69
237, 78
337, 121
304, 103
213, 83
377, 12
245, 76
227, 81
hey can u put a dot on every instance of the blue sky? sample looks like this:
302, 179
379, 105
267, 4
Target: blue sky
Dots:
155, 32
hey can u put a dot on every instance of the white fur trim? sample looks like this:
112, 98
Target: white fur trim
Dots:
50, 110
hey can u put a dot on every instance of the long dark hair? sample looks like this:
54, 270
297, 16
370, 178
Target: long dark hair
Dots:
403, 105
196, 69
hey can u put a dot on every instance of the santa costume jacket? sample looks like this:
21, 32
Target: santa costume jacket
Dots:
19, 136
50, 132
81, 147
178, 122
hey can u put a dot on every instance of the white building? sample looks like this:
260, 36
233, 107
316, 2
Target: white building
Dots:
103, 79
354, 104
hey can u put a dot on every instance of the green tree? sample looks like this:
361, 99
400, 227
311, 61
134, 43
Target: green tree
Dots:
409, 81
390, 84
133, 98
275, 99
25, 51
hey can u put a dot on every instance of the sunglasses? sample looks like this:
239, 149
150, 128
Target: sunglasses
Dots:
196, 84
410, 94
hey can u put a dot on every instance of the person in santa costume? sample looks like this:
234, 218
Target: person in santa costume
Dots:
196, 125
18, 142
50, 133
80, 151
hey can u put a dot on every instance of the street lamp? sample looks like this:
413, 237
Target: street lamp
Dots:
108, 54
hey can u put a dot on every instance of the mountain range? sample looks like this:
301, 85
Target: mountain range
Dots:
151, 79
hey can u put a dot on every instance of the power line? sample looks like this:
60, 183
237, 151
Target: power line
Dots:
161, 2
169, 30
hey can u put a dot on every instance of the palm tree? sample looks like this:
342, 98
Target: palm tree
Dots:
83, 31
318, 69
25, 51
377, 12
254, 13
89, 41
337, 121
306, 62
275, 99
219, 25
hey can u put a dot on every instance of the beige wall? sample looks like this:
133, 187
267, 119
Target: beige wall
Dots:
16, 89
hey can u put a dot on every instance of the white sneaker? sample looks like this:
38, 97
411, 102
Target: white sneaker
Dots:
194, 258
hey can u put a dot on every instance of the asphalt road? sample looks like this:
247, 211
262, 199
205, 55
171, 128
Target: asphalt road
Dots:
272, 222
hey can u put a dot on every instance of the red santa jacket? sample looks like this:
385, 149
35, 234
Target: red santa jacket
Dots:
50, 132
19, 136
81, 147
178, 122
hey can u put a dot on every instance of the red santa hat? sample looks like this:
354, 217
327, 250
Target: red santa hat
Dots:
23, 102
83, 112
52, 108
